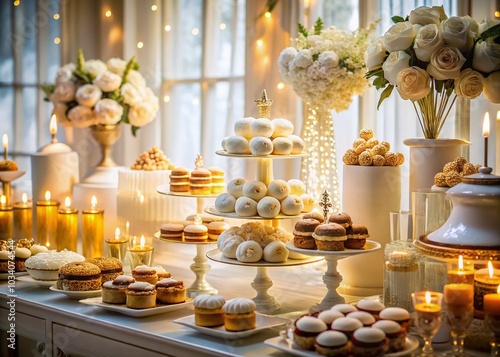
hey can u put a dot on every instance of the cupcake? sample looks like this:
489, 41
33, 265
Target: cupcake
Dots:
21, 254
170, 291
397, 314
208, 311
307, 328
145, 274
332, 344
330, 237
369, 342
239, 314
303, 233
346, 325
357, 235
141, 295
79, 276
395, 333
114, 291
110, 267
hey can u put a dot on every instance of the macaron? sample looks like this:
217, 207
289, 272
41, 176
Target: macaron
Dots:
171, 231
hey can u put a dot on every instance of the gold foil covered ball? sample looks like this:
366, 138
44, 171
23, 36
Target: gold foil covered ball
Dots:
25, 243
453, 178
386, 144
365, 159
360, 148
450, 166
358, 142
440, 179
4, 245
366, 134
391, 159
460, 161
371, 143
401, 158
350, 158
468, 169
378, 150
378, 160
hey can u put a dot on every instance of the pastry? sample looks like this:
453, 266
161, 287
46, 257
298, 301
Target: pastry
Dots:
205, 218
397, 314
8, 165
254, 190
195, 233
171, 231
162, 273
275, 252
141, 295
369, 342
330, 236
200, 182
357, 235
45, 265
179, 180
268, 207
249, 252
346, 325
235, 187
25, 243
245, 207
332, 344
114, 291
282, 146
208, 311
292, 205
236, 144
366, 318
231, 245
282, 127
328, 316
38, 248
217, 180
239, 314
314, 215
303, 233
395, 333
243, 127
308, 201
145, 274
261, 146
344, 308
4, 261
371, 306
215, 229
340, 218
79, 276
152, 160
307, 328
297, 187
225, 203
21, 254
226, 235
110, 267
170, 291
262, 127
278, 189
298, 144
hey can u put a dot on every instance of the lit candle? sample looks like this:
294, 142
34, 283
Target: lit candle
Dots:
486, 281
141, 254
5, 142
67, 227
117, 246
93, 231
23, 218
497, 144
428, 306
459, 298
53, 128
46, 221
5, 219
492, 303
486, 133
461, 275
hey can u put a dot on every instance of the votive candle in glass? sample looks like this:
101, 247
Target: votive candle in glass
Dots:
23, 218
67, 227
46, 221
486, 281
117, 247
460, 273
93, 231
6, 230
141, 254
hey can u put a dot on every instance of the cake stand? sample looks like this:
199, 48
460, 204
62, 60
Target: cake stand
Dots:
332, 277
200, 199
200, 267
262, 282
6, 177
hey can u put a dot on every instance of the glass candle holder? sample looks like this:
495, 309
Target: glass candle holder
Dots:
23, 219
459, 302
460, 272
93, 233
140, 255
46, 221
117, 247
67, 228
486, 281
427, 306
6, 229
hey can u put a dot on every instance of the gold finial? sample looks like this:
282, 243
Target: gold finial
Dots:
264, 106
199, 161
326, 204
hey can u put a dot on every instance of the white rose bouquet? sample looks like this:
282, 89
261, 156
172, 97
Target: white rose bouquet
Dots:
96, 93
326, 66
431, 59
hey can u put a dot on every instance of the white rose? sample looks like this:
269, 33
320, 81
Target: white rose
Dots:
492, 87
375, 54
151, 99
141, 114
469, 84
108, 111
283, 61
486, 57
314, 40
81, 116
108, 81
303, 59
94, 67
136, 79
88, 95
486, 24
427, 41
396, 62
65, 73
446, 63
131, 95
456, 33
413, 83
63, 92
116, 65
424, 15
328, 59
400, 36
59, 111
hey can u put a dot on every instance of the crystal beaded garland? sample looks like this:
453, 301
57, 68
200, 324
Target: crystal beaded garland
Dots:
319, 168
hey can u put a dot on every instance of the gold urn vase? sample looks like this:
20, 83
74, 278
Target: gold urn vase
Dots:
106, 136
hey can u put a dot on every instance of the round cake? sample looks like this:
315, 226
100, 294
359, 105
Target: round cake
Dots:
239, 314
179, 179
357, 235
307, 328
79, 276
110, 267
303, 233
200, 182
208, 311
45, 265
332, 343
170, 291
330, 237
141, 295
114, 292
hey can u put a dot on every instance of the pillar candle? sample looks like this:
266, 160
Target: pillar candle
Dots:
486, 281
459, 298
6, 231
461, 275
46, 221
492, 303
23, 218
67, 227
93, 231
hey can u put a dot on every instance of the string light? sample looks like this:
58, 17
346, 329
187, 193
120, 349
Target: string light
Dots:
154, 7
56, 16
497, 13
222, 26
140, 44
168, 28
280, 85
196, 101
267, 15
260, 43
108, 13
17, 3
57, 40
195, 31
166, 98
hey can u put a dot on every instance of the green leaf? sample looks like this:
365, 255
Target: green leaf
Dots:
318, 26
492, 32
83, 75
315, 56
80, 61
134, 130
380, 82
397, 19
48, 89
375, 73
302, 30
439, 86
385, 94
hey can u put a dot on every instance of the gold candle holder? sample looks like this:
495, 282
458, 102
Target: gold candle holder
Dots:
93, 231
486, 281
23, 219
67, 227
117, 247
264, 106
427, 305
46, 221
140, 254
6, 230
460, 273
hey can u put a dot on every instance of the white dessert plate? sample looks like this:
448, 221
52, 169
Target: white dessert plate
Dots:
77, 294
123, 309
44, 283
263, 322
213, 211
370, 246
5, 276
225, 153
217, 256
287, 345
165, 190
8, 176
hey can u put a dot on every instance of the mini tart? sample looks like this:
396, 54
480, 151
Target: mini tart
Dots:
330, 237
171, 231
328, 316
357, 235
340, 218
200, 182
195, 233
332, 344
303, 233
239, 314
366, 318
346, 325
141, 295
79, 276
114, 292
395, 333
110, 267
344, 308
170, 291
307, 328
371, 306
179, 180
397, 314
215, 229
208, 311
369, 342
145, 274
21, 255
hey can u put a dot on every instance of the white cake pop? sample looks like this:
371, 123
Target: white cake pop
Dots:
298, 144
249, 252
262, 127
278, 189
235, 187
254, 190
275, 252
282, 127
223, 144
236, 144
282, 146
268, 207
230, 246
292, 205
297, 187
243, 127
225, 203
261, 146
245, 207
308, 201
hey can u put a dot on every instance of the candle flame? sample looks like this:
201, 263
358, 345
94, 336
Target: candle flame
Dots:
498, 115
134, 241
486, 125
141, 198
117, 233
498, 289
461, 263
93, 201
428, 297
67, 202
491, 271
24, 198
143, 241
53, 125
3, 200
5, 141
197, 220
47, 244
47, 196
